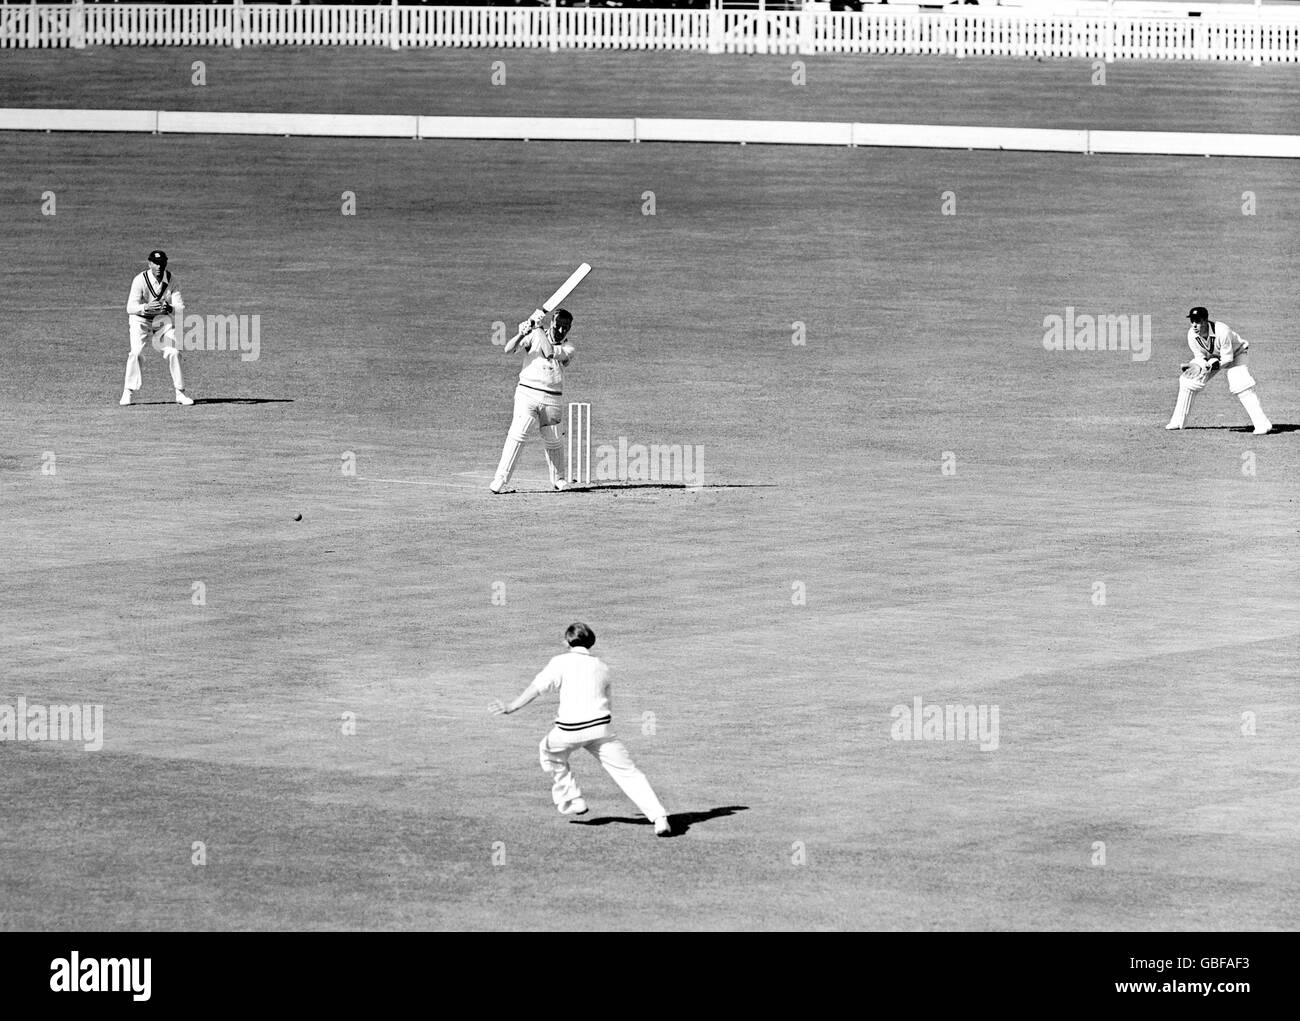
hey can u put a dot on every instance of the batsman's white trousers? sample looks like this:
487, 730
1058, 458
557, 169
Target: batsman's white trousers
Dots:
161, 331
527, 418
558, 745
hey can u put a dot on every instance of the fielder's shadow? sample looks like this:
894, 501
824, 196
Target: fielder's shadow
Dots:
216, 400
681, 821
1282, 428
243, 400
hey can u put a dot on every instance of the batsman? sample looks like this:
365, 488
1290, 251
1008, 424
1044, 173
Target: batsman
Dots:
1214, 345
547, 351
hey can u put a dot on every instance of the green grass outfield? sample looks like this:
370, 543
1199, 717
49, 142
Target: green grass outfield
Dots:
770, 737
1137, 95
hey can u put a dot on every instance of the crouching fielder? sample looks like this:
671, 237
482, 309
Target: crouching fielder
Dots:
1215, 346
153, 308
583, 720
537, 397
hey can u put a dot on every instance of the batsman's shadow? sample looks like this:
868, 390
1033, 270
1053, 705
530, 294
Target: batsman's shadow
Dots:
681, 821
1284, 427
600, 488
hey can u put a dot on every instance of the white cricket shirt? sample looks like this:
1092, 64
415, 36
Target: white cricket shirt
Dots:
1222, 343
540, 372
146, 288
583, 683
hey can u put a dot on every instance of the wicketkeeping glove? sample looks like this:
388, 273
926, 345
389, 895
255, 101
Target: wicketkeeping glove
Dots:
1197, 372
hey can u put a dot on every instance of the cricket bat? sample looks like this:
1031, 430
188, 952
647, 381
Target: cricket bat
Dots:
555, 300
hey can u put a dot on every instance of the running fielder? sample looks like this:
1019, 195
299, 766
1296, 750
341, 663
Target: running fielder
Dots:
1215, 346
537, 397
152, 307
583, 720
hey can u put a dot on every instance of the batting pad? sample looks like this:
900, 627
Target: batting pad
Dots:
1250, 401
1239, 378
1183, 405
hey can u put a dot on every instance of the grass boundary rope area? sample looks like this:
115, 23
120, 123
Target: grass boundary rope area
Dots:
639, 129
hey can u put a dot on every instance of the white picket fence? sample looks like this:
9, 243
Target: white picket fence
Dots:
1255, 34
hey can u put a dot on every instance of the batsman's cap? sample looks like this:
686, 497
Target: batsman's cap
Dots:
563, 315
1199, 314
158, 256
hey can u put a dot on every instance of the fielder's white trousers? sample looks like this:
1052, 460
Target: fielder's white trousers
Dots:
161, 331
1240, 382
558, 745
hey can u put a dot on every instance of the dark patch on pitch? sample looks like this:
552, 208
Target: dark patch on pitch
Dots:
628, 487
1282, 428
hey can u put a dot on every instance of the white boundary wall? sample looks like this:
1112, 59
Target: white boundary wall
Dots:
1259, 34
651, 129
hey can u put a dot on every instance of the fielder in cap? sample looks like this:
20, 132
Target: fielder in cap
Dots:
583, 720
1214, 345
152, 308
537, 397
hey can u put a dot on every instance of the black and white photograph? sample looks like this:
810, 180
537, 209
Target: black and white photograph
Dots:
773, 467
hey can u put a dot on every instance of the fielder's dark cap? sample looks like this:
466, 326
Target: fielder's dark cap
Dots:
1199, 314
158, 256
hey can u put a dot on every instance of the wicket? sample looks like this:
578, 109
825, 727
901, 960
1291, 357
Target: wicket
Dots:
577, 468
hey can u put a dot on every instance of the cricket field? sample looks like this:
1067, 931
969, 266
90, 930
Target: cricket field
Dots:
907, 499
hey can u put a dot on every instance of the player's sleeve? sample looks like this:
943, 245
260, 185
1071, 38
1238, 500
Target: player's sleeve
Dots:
1229, 339
135, 302
548, 679
535, 340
